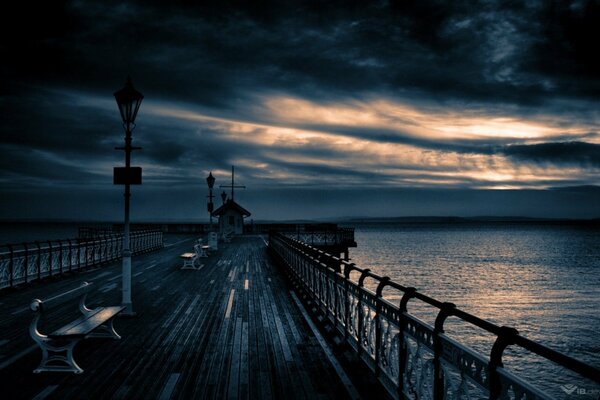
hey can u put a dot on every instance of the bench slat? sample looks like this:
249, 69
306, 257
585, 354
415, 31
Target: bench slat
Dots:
84, 325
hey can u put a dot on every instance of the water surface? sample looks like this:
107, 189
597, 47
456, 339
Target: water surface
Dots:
542, 279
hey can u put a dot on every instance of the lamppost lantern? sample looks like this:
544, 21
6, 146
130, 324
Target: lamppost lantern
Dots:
129, 101
210, 180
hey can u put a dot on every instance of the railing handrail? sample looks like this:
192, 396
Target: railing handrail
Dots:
505, 336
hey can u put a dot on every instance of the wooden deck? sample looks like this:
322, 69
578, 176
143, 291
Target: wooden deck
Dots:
229, 330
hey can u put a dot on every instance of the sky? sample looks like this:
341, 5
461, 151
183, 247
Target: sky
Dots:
327, 109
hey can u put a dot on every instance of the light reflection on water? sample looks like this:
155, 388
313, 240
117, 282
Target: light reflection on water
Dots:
541, 279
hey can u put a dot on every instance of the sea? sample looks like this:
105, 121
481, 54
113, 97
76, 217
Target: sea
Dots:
542, 279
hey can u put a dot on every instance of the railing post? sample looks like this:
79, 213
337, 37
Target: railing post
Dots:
319, 275
11, 266
313, 278
60, 256
70, 256
113, 246
110, 247
103, 249
50, 258
26, 262
86, 253
347, 269
326, 283
361, 281
336, 296
409, 293
438, 379
79, 244
505, 338
39, 260
382, 283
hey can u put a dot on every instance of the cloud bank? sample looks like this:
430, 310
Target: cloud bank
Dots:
402, 95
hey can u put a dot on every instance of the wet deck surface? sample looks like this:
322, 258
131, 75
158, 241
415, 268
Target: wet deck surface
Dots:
229, 330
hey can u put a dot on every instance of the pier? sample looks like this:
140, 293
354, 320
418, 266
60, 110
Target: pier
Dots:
265, 316
228, 330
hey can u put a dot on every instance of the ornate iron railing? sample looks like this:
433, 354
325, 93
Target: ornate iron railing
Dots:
27, 262
412, 359
325, 237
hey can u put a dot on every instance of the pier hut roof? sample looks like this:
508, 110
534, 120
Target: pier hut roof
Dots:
231, 205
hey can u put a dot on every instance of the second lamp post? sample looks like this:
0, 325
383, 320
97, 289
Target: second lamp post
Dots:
210, 180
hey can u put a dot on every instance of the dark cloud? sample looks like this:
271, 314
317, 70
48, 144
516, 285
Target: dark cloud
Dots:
25, 167
576, 153
492, 51
45, 120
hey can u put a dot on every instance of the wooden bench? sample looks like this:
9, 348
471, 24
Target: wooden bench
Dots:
190, 259
57, 347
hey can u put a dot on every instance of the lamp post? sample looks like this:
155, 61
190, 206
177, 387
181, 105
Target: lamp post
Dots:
223, 197
129, 101
210, 180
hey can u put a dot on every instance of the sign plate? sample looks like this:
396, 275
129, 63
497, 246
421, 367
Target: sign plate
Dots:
122, 176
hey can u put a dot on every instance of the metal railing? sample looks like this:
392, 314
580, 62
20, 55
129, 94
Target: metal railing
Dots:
329, 237
411, 358
26, 262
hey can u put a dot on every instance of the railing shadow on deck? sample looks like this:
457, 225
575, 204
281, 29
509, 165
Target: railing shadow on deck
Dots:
412, 359
27, 262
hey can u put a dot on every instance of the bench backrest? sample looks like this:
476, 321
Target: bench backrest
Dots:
44, 305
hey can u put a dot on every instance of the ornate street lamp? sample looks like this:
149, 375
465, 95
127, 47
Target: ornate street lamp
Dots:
210, 180
129, 101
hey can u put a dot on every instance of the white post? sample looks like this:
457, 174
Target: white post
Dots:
126, 290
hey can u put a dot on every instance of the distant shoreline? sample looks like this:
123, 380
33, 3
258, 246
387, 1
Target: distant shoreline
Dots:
467, 220
343, 220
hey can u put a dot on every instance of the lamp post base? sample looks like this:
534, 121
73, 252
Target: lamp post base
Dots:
128, 311
126, 290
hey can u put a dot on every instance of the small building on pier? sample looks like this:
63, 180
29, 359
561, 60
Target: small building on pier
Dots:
231, 217
231, 214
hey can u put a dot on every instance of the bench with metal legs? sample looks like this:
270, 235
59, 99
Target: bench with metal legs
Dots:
57, 347
190, 259
202, 249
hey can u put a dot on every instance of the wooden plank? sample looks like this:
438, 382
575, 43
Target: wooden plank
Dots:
45, 393
234, 369
169, 387
230, 303
264, 375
